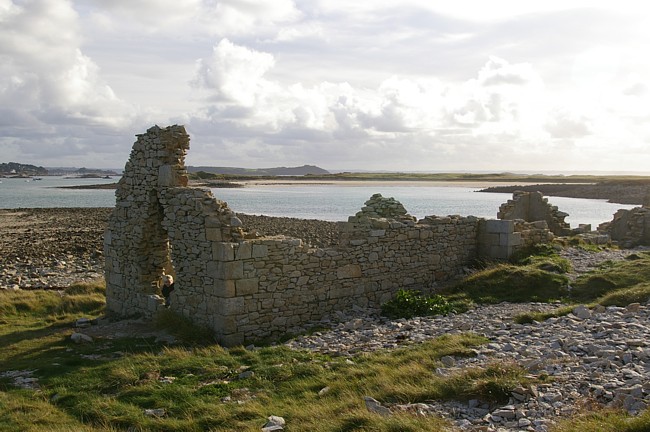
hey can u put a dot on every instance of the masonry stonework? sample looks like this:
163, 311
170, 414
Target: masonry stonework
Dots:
246, 287
533, 207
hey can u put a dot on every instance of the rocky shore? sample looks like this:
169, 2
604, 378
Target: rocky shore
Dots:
50, 248
614, 192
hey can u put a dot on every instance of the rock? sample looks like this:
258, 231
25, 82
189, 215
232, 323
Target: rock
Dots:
582, 312
375, 407
633, 307
156, 412
83, 323
246, 374
274, 423
448, 361
81, 338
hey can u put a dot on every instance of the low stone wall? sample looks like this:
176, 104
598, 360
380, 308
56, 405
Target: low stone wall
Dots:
247, 287
264, 287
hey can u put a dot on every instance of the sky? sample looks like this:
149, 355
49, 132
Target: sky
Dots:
415, 85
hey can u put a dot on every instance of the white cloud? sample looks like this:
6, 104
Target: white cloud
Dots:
234, 73
48, 86
193, 17
426, 85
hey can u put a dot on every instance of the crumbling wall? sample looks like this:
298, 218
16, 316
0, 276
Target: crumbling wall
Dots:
533, 207
159, 225
629, 227
245, 287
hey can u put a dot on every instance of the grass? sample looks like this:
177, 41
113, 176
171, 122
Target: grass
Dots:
613, 276
604, 420
107, 385
513, 283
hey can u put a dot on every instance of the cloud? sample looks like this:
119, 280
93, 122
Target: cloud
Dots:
55, 102
234, 73
45, 74
194, 17
419, 85
565, 125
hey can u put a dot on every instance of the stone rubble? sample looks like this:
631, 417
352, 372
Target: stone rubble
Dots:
22, 379
599, 356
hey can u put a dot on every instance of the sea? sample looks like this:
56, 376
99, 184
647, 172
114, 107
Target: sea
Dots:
323, 201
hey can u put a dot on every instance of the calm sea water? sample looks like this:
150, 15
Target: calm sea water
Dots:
313, 201
336, 203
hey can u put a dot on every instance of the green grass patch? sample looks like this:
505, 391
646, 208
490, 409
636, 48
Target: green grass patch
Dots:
639, 293
183, 328
82, 298
512, 283
529, 317
604, 420
612, 276
108, 385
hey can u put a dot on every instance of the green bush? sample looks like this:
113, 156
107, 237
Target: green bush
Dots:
411, 303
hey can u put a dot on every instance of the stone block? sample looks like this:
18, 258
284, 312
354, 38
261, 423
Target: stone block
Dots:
224, 288
231, 306
116, 279
222, 251
247, 286
165, 176
230, 270
212, 221
213, 234
499, 226
348, 271
231, 340
260, 251
244, 250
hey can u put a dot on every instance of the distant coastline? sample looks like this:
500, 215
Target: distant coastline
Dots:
634, 190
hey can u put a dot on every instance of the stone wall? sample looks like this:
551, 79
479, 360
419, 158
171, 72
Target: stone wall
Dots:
533, 207
629, 228
246, 287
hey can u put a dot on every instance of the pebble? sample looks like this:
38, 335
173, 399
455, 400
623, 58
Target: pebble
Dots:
604, 356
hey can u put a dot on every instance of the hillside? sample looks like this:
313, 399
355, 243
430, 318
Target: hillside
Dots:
278, 171
18, 169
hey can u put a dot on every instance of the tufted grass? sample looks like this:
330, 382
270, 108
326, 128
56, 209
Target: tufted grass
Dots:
612, 276
512, 283
108, 385
603, 420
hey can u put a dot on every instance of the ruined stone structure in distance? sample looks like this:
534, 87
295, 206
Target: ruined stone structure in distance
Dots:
245, 287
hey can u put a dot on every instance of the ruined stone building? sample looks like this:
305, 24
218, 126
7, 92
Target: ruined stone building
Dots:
245, 287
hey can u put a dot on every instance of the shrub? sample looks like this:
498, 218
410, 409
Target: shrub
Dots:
411, 303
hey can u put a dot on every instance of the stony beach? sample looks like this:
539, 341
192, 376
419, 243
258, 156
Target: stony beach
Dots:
591, 357
49, 248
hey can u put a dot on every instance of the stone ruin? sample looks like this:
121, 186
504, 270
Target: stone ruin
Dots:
629, 228
245, 287
532, 207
